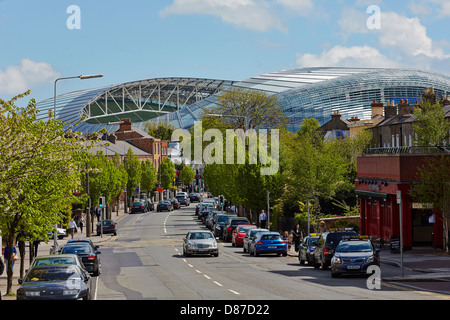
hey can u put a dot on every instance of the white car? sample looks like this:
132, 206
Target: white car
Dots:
60, 231
200, 242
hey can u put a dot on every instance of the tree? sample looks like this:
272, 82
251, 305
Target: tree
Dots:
167, 173
39, 170
432, 186
149, 176
159, 130
187, 175
431, 126
134, 172
251, 109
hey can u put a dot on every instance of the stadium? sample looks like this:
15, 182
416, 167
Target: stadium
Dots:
303, 93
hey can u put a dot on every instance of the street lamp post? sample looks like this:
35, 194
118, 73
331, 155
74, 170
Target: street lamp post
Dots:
82, 77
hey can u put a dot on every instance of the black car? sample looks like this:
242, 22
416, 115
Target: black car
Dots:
138, 206
184, 200
307, 247
231, 225
220, 222
195, 197
55, 282
109, 226
82, 240
87, 254
353, 256
326, 244
149, 204
164, 205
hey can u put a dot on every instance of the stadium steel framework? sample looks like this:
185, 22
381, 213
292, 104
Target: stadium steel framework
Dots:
304, 93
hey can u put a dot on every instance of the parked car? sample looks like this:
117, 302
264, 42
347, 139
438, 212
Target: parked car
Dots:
87, 254
164, 205
354, 255
55, 282
58, 259
326, 244
82, 240
249, 236
109, 226
61, 233
200, 242
203, 205
239, 234
268, 242
219, 225
307, 247
195, 197
149, 204
138, 206
231, 225
175, 203
183, 199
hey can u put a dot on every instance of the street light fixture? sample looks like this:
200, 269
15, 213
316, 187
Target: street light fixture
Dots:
82, 77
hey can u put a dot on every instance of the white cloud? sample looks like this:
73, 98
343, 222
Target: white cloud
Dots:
249, 14
407, 36
18, 79
302, 7
355, 56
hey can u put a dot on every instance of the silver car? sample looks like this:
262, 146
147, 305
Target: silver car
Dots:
200, 242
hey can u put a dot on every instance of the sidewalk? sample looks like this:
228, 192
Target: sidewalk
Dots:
420, 265
44, 249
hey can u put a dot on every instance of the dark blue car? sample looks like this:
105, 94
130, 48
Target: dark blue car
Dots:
307, 247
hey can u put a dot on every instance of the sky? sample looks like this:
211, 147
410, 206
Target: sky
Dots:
218, 39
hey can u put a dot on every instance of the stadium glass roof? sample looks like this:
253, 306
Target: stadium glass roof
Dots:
304, 93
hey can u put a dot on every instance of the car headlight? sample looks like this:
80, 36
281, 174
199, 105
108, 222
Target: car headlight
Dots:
369, 259
191, 245
32, 293
213, 245
336, 260
70, 292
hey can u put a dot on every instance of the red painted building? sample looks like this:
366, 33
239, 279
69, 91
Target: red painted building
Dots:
380, 176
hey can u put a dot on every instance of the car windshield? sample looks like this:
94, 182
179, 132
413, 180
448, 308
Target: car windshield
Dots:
222, 219
270, 237
53, 274
312, 241
76, 249
55, 260
237, 222
244, 229
201, 235
357, 246
108, 222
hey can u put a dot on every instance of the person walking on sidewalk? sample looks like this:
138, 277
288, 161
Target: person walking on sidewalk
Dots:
262, 219
297, 237
73, 227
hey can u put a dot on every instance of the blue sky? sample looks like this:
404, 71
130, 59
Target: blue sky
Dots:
220, 39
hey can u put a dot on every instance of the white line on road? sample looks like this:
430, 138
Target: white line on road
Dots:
235, 292
207, 277
219, 284
198, 271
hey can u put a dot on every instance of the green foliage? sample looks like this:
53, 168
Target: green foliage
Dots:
148, 177
159, 130
187, 175
134, 171
39, 170
431, 126
167, 173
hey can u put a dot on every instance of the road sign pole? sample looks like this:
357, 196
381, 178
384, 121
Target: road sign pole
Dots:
399, 201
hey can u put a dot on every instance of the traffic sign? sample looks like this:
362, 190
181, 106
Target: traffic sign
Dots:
399, 196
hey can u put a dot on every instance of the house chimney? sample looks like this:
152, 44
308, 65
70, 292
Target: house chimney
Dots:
377, 108
125, 125
390, 110
404, 107
429, 95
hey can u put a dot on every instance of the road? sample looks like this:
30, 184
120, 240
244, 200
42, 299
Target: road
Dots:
145, 261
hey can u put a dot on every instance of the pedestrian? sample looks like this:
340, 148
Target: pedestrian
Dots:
13, 257
72, 227
2, 268
35, 246
81, 224
262, 219
322, 226
297, 237
286, 238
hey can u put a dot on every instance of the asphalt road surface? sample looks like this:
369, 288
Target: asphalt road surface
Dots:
145, 262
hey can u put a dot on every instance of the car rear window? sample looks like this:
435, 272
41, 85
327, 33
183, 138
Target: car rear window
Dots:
333, 238
270, 237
